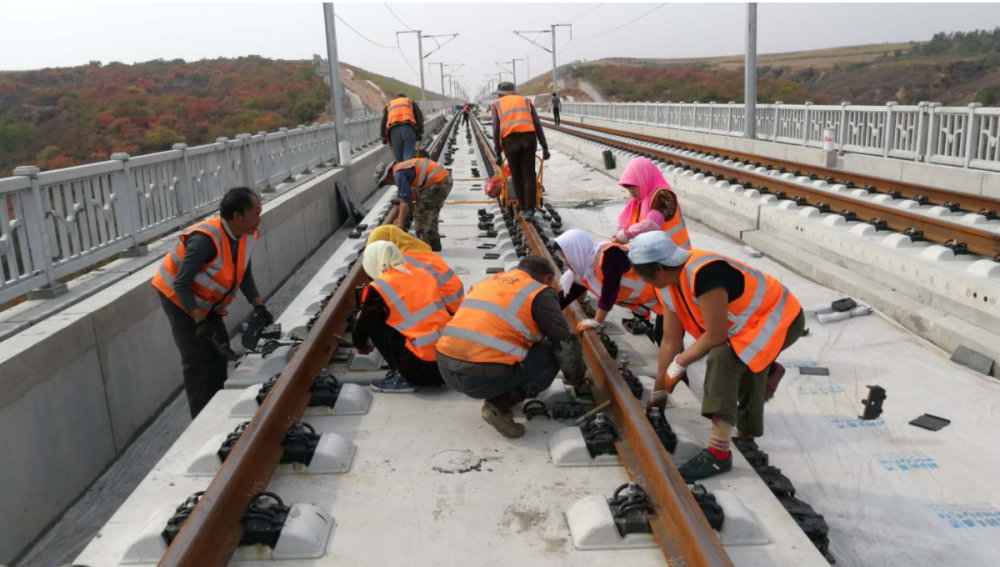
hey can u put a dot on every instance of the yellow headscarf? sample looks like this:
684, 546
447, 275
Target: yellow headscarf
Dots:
403, 241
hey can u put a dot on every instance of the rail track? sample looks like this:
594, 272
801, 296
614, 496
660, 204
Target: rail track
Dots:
732, 167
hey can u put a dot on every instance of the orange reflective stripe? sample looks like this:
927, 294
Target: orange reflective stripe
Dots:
415, 308
400, 112
633, 293
451, 288
514, 114
428, 172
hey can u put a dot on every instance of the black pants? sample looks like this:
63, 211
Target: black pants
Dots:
205, 370
391, 344
535, 373
465, 118
520, 151
555, 115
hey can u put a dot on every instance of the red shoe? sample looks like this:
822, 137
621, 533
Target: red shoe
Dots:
773, 379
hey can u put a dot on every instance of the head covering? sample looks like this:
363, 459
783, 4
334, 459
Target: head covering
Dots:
643, 174
382, 256
505, 88
380, 171
580, 251
396, 235
656, 246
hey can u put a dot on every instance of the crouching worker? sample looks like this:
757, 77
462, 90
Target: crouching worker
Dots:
423, 186
508, 341
741, 319
419, 254
402, 313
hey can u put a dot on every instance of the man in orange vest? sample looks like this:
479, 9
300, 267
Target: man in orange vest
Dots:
508, 341
422, 186
741, 319
516, 134
198, 279
402, 127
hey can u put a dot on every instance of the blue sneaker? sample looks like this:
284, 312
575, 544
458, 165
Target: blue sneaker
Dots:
393, 383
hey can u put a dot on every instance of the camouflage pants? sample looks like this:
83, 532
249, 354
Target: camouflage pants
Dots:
427, 208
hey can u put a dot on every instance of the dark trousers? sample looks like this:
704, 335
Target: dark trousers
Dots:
403, 139
535, 373
205, 370
391, 344
555, 115
465, 118
520, 151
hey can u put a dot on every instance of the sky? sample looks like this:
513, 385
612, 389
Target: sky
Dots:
61, 35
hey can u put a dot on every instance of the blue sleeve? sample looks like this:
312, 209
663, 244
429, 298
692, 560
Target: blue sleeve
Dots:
404, 180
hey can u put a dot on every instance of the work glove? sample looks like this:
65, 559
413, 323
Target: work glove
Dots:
621, 237
657, 399
499, 160
546, 155
204, 332
264, 315
587, 324
385, 141
674, 374
566, 281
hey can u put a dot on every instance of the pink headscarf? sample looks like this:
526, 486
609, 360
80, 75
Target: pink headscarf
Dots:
647, 177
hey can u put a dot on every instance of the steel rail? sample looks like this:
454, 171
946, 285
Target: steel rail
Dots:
961, 238
679, 525
899, 189
212, 532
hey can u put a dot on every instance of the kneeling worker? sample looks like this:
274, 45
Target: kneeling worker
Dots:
508, 341
402, 313
198, 279
423, 186
419, 254
741, 319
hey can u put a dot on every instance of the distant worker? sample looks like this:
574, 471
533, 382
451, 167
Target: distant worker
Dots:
420, 254
508, 341
422, 186
402, 313
198, 279
556, 107
741, 319
402, 127
466, 108
653, 206
516, 134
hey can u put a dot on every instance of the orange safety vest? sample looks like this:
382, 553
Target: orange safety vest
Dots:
675, 227
415, 308
634, 294
451, 288
428, 172
758, 319
400, 112
514, 112
494, 323
215, 285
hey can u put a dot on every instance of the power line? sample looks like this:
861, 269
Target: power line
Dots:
397, 17
565, 45
625, 24
407, 61
361, 34
587, 12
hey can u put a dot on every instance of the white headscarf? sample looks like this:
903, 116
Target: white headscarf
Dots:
382, 256
581, 251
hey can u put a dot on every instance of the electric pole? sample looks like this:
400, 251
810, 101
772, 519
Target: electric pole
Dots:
750, 74
513, 66
553, 50
336, 97
421, 56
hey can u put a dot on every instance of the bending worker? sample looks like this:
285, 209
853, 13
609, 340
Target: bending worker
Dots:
604, 270
402, 313
516, 135
420, 255
653, 205
198, 279
402, 127
508, 341
740, 317
422, 187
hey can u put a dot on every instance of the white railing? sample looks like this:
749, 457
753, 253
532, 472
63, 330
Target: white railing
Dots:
60, 222
927, 132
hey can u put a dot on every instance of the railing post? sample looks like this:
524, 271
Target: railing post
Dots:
38, 237
777, 116
920, 144
843, 125
286, 154
222, 144
124, 191
806, 124
265, 164
890, 128
972, 134
729, 117
185, 188
305, 154
246, 161
933, 129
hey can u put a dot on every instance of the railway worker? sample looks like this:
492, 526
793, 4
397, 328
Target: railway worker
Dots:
466, 108
198, 279
402, 127
508, 341
516, 135
402, 314
604, 270
420, 254
653, 205
556, 108
741, 319
422, 186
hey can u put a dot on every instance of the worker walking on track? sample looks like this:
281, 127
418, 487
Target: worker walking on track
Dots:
556, 108
403, 314
653, 205
741, 319
402, 127
198, 279
508, 341
516, 135
420, 254
466, 109
422, 186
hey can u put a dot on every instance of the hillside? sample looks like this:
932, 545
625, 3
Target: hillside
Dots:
951, 68
69, 116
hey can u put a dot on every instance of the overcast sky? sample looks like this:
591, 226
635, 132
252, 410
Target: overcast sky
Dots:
36, 35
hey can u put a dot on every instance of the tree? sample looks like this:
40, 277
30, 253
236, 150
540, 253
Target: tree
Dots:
160, 138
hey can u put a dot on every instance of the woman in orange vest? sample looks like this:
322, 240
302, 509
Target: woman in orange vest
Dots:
402, 313
741, 319
419, 254
653, 205
604, 270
